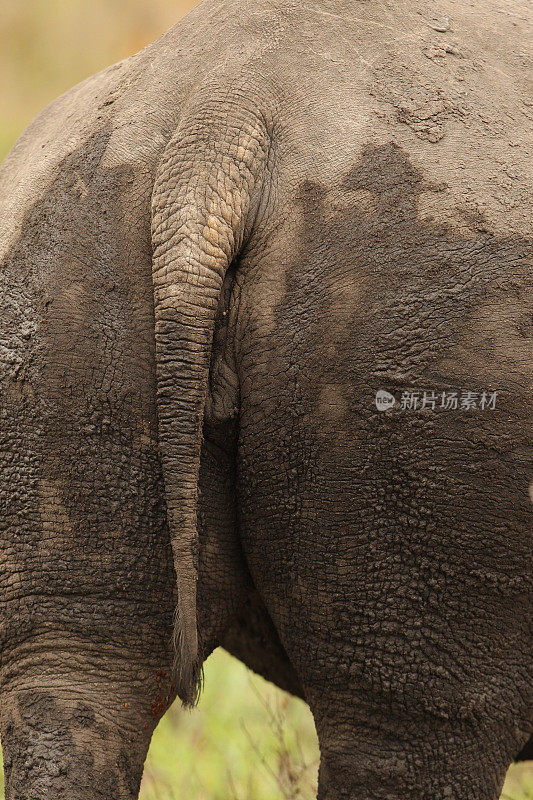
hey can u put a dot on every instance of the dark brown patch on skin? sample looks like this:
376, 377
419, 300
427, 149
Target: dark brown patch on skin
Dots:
390, 548
420, 283
88, 429
53, 750
128, 771
84, 716
86, 578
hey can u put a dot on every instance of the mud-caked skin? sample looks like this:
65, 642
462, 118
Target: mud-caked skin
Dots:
213, 255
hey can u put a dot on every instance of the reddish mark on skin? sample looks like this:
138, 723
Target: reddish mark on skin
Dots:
160, 704
160, 674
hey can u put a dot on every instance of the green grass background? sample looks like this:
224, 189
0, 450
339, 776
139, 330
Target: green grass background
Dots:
246, 740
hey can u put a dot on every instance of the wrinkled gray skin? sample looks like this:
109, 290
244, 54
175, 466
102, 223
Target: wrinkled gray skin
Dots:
316, 201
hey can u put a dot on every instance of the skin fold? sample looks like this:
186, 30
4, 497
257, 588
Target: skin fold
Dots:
213, 255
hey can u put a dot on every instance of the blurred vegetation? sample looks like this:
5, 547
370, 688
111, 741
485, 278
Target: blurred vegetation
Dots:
47, 46
246, 740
